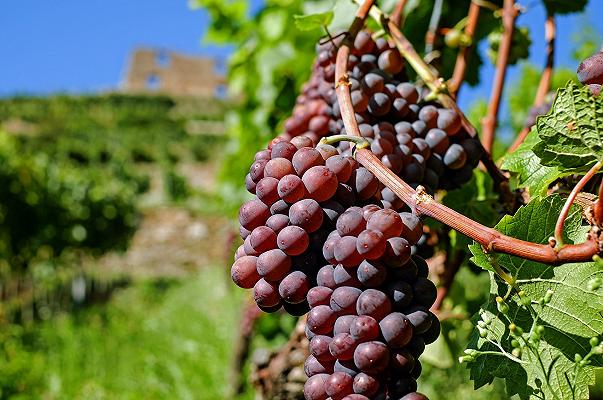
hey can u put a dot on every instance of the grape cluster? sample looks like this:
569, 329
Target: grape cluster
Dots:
300, 191
369, 319
422, 142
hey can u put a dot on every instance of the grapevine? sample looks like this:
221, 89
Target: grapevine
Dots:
341, 195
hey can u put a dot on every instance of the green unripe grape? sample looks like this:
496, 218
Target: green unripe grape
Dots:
548, 296
577, 358
540, 329
516, 352
515, 343
502, 307
594, 341
453, 38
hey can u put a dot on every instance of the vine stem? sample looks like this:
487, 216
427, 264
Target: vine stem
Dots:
434, 21
398, 12
434, 83
490, 121
570, 200
599, 207
550, 32
424, 204
458, 76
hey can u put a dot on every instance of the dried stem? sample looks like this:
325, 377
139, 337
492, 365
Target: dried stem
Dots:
599, 207
458, 76
422, 203
398, 13
545, 79
447, 277
570, 200
430, 36
489, 123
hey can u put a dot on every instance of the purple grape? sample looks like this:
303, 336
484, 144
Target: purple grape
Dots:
373, 303
343, 300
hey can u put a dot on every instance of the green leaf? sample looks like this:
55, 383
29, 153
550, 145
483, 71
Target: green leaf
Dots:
528, 170
570, 319
475, 200
313, 21
564, 6
572, 132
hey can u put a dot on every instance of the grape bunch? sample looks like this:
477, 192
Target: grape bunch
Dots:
369, 319
422, 142
300, 191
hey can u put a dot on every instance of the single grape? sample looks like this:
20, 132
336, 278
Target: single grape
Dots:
372, 83
425, 292
280, 207
343, 300
437, 140
400, 293
302, 141
313, 367
319, 295
293, 240
395, 162
388, 222
379, 104
396, 330
342, 346
350, 223
294, 287
253, 214
414, 396
290, 188
359, 100
408, 92
319, 348
343, 323
314, 388
321, 319
320, 183
401, 361
345, 251
371, 274
340, 166
449, 121
339, 385
283, 149
590, 71
412, 227
244, 273
397, 252
262, 239
429, 115
420, 319
455, 157
364, 182
250, 184
431, 334
265, 293
319, 125
256, 171
346, 276
306, 158
248, 248
391, 62
273, 265
374, 303
277, 168
326, 151
371, 357
306, 214
365, 384
277, 222
364, 329
371, 244
324, 277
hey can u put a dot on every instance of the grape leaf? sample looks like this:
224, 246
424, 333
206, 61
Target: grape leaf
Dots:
475, 200
564, 6
573, 315
313, 21
525, 165
572, 132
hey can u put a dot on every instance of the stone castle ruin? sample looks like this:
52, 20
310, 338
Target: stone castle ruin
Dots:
172, 73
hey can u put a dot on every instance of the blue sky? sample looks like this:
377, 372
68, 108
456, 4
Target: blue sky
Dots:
82, 46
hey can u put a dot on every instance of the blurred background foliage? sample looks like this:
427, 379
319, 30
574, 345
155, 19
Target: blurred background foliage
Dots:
116, 228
